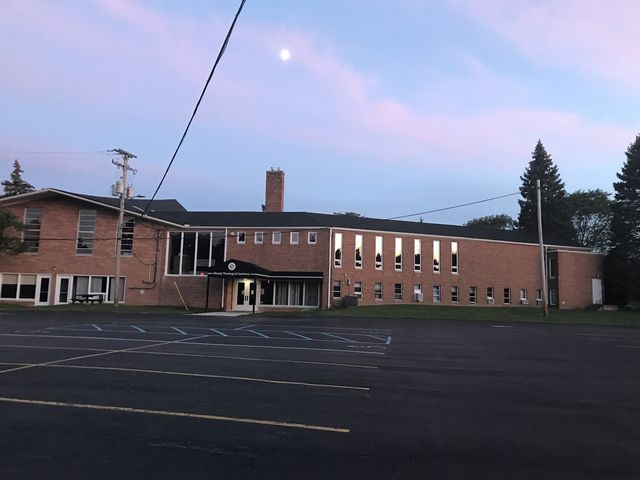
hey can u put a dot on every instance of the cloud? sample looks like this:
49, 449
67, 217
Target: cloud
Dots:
597, 37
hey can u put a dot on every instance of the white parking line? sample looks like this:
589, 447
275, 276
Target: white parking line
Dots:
258, 333
179, 331
138, 329
337, 336
96, 327
246, 326
218, 332
114, 408
297, 335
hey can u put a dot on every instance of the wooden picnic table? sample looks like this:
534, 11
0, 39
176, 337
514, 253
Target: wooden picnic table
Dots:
88, 297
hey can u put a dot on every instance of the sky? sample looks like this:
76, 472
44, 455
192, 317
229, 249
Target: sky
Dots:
385, 108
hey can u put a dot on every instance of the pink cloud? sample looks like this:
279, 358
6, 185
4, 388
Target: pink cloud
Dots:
600, 38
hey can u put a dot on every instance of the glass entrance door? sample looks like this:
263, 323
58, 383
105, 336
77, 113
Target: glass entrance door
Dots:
43, 288
63, 289
244, 294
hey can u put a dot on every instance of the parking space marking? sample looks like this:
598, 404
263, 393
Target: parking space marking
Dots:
246, 326
109, 352
219, 332
222, 357
258, 333
180, 331
337, 336
297, 335
96, 327
200, 416
287, 348
139, 329
199, 375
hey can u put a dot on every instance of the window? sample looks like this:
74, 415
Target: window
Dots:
454, 294
276, 238
417, 255
397, 291
436, 294
398, 254
258, 238
9, 288
357, 289
86, 232
312, 238
241, 237
539, 296
191, 253
489, 294
16, 286
553, 267
523, 296
377, 291
417, 292
553, 297
126, 241
337, 250
454, 257
436, 256
378, 253
473, 294
507, 295
294, 238
31, 231
337, 289
358, 251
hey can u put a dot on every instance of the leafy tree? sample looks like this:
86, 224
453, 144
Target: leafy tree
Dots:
556, 221
494, 222
348, 214
591, 212
16, 185
8, 242
623, 261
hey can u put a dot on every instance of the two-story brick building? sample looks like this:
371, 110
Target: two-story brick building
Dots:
275, 259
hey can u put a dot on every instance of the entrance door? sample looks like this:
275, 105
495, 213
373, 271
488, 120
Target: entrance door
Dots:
244, 294
596, 291
64, 285
43, 290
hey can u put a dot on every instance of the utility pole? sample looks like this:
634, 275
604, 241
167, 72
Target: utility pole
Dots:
124, 165
543, 273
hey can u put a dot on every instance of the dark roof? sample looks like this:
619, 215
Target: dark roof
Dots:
319, 220
136, 204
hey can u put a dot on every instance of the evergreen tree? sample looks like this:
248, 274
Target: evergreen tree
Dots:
16, 185
556, 221
9, 225
623, 262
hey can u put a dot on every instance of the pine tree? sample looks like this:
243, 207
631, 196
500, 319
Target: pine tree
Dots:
623, 262
556, 221
16, 185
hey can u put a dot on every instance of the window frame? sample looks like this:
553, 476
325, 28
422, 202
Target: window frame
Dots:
417, 255
473, 295
275, 235
32, 243
128, 223
357, 251
337, 250
377, 291
294, 238
455, 258
241, 238
358, 288
336, 288
379, 250
436, 256
398, 254
312, 238
455, 294
397, 291
506, 296
436, 293
87, 236
258, 238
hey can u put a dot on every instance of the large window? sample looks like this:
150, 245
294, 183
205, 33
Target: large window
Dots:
126, 244
454, 294
454, 257
358, 251
258, 238
337, 250
97, 284
397, 291
507, 296
290, 293
31, 232
191, 253
86, 232
276, 238
436, 294
417, 255
398, 253
378, 253
357, 289
18, 286
312, 238
377, 291
473, 294
489, 294
436, 256
294, 238
337, 289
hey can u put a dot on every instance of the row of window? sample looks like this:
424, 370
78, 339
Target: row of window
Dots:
85, 236
378, 257
276, 238
436, 293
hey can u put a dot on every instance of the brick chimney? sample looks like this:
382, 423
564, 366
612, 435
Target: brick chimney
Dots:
274, 192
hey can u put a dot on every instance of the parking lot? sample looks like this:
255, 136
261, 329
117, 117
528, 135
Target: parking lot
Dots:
141, 396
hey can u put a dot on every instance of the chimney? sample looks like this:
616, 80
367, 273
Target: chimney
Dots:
274, 192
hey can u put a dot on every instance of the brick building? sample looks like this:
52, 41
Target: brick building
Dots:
275, 259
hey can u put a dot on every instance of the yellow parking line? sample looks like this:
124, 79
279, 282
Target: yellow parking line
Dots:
166, 413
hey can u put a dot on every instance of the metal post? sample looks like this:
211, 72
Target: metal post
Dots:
123, 194
543, 273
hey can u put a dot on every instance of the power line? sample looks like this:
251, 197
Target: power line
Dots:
195, 110
42, 152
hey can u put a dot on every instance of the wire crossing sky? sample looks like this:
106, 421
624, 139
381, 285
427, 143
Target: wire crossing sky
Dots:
377, 107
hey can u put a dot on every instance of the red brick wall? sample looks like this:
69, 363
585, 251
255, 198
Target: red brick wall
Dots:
274, 191
575, 272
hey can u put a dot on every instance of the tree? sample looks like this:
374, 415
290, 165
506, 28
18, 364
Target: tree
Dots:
16, 185
623, 261
556, 221
348, 214
591, 212
8, 241
494, 222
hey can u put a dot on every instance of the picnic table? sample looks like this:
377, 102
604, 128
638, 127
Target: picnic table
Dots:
88, 297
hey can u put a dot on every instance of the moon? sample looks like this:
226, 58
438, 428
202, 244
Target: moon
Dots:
285, 54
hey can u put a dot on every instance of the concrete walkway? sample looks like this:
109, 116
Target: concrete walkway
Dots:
222, 314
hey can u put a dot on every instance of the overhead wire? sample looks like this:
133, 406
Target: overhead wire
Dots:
195, 110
